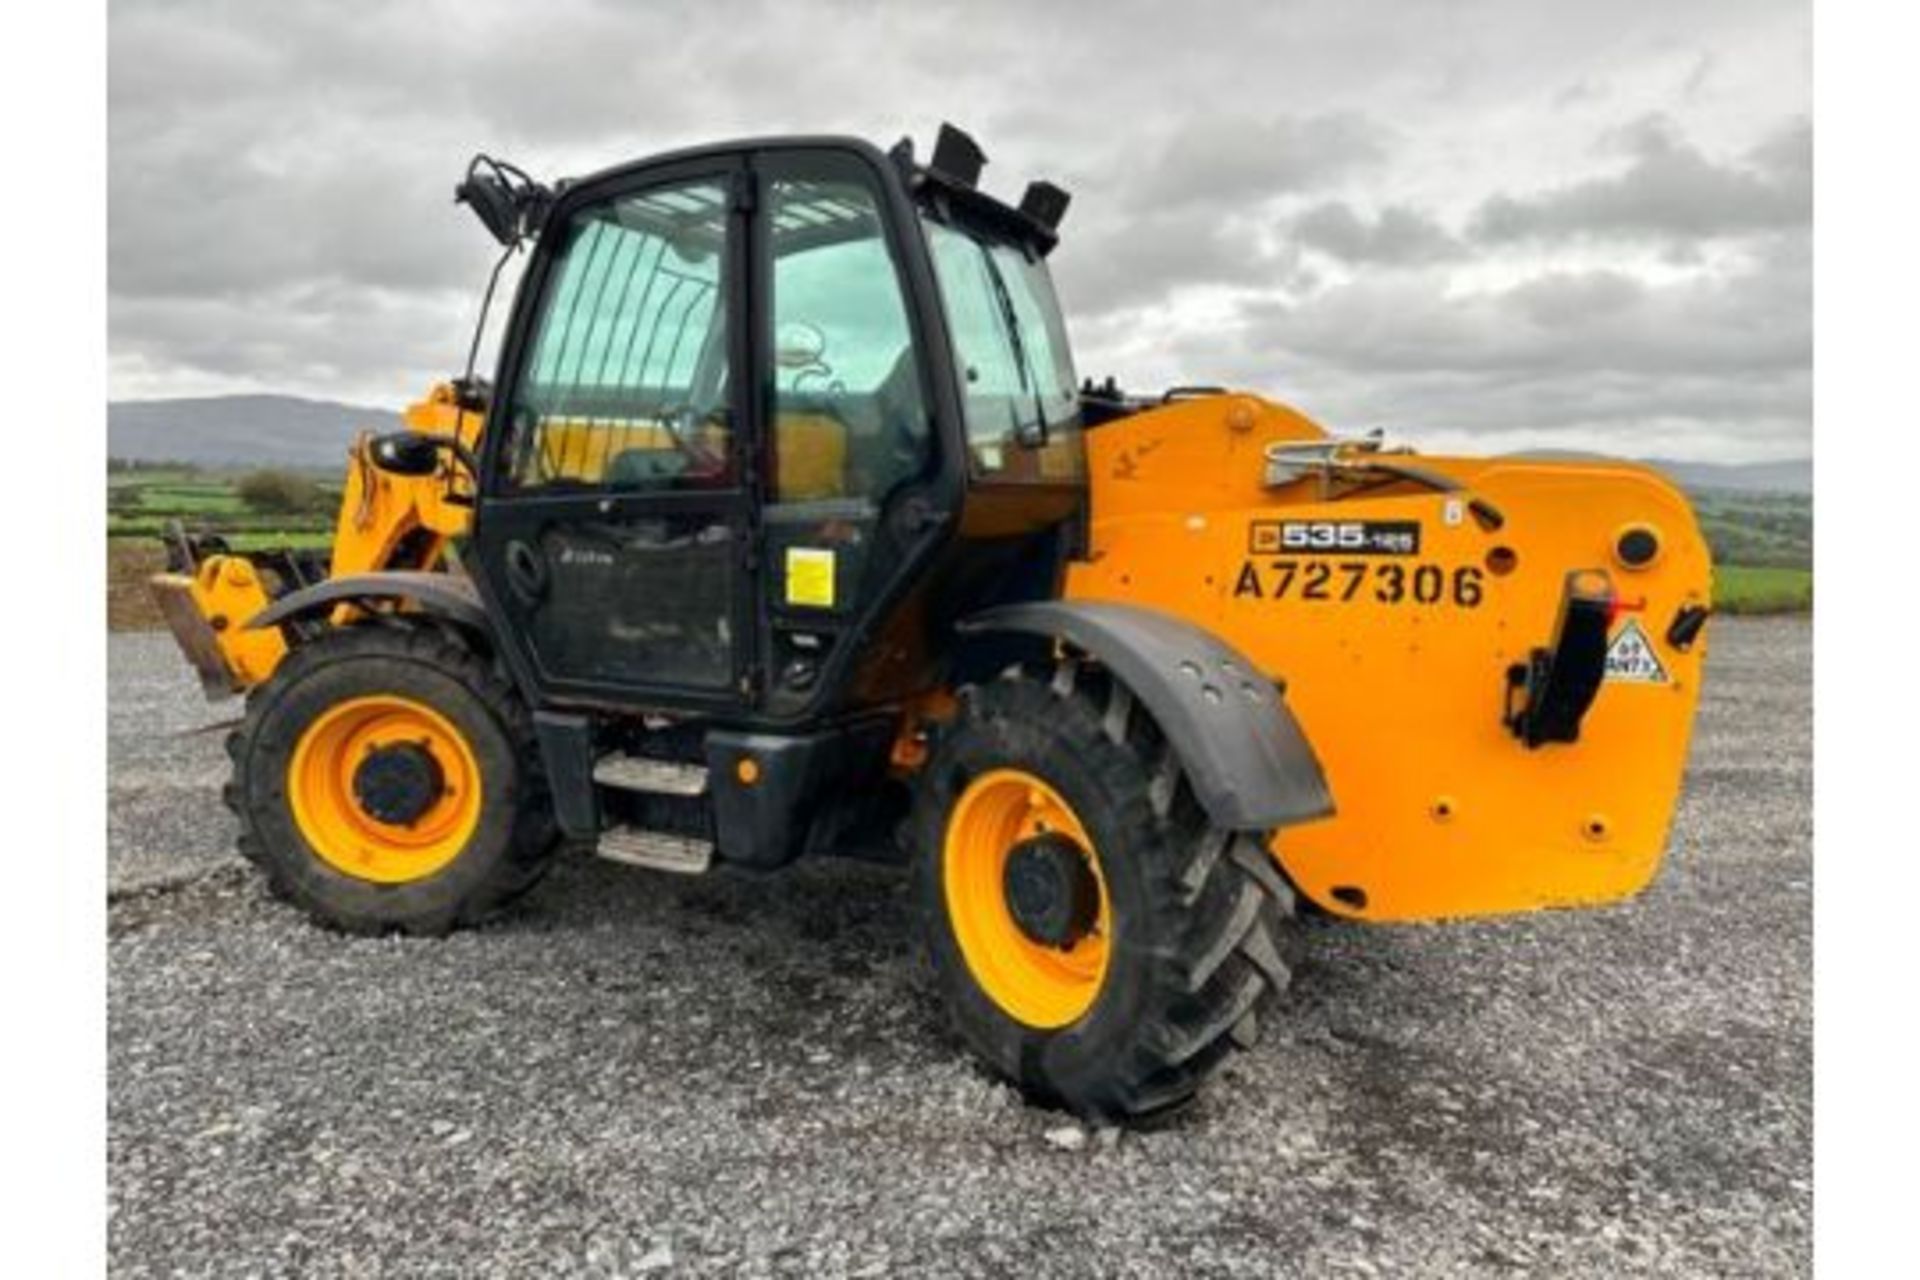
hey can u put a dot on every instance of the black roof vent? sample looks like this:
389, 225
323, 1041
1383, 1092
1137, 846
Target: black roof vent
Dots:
957, 158
1045, 204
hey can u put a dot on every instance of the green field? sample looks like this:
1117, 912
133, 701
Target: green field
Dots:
316, 539
1773, 530
1762, 589
1762, 550
192, 499
143, 500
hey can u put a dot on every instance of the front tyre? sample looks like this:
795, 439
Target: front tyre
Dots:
386, 778
1096, 939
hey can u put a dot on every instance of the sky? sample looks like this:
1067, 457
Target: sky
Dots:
1482, 226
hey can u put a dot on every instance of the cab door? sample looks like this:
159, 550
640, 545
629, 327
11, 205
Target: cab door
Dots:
615, 531
852, 490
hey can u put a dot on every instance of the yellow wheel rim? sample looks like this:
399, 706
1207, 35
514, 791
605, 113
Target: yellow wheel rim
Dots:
349, 839
1036, 984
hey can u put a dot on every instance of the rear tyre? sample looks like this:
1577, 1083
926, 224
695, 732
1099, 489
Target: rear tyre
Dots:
1120, 983
386, 778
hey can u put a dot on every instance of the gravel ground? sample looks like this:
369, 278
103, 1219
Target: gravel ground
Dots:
638, 1073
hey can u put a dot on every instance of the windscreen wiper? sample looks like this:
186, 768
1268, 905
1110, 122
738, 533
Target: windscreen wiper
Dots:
1029, 380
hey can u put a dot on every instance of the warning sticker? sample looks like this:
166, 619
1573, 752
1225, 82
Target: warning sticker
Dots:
1630, 657
810, 577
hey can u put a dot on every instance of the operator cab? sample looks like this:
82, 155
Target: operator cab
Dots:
752, 402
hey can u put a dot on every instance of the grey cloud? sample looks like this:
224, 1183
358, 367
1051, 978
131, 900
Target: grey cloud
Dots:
1585, 355
1669, 188
208, 215
303, 336
1787, 156
1398, 236
1572, 322
1190, 214
1232, 163
1275, 196
1142, 262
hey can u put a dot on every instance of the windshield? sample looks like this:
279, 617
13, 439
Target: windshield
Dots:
1010, 347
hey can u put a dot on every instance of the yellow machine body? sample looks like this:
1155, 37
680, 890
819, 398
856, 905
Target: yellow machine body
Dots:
386, 521
381, 512
1397, 665
207, 611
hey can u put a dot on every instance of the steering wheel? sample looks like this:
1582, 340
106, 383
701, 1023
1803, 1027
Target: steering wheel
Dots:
680, 422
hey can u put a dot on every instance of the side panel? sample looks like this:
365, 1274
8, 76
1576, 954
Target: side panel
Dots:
1395, 616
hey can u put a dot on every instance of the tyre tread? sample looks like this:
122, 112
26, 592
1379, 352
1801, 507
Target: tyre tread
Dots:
534, 839
1217, 897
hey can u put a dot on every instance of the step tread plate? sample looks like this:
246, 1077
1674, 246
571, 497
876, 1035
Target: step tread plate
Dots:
661, 777
659, 850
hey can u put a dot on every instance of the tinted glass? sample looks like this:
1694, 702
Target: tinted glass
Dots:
849, 416
626, 384
1011, 352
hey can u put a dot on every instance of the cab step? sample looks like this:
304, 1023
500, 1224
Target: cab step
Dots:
642, 773
660, 850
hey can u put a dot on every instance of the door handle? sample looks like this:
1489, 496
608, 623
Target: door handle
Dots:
915, 514
526, 572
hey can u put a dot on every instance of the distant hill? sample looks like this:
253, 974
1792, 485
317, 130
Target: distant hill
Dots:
254, 431
290, 431
1792, 476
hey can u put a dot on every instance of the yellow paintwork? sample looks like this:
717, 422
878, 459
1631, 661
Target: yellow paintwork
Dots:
345, 836
1038, 985
1440, 810
378, 510
227, 591
381, 515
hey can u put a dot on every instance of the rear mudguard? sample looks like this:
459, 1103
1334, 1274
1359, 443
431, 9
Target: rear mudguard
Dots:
1403, 617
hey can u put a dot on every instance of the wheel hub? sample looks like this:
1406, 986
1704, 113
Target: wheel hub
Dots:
1026, 898
397, 783
1051, 891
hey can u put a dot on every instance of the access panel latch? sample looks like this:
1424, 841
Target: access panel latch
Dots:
1548, 695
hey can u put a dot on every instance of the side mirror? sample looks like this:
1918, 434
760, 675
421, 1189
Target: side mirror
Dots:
492, 203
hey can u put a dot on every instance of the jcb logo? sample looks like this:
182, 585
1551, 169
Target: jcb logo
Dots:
1355, 537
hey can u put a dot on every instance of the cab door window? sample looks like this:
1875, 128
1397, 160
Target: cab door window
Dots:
626, 384
849, 416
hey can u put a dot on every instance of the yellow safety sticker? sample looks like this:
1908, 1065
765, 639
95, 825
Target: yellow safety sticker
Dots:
810, 577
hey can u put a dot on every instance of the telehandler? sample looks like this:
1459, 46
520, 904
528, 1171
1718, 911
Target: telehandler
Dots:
785, 528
